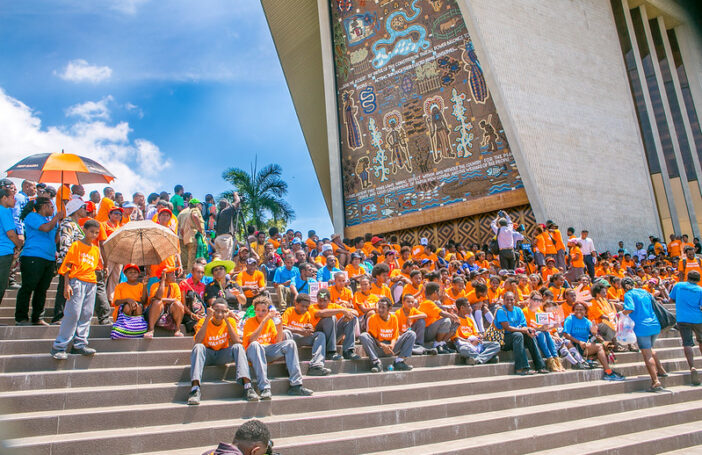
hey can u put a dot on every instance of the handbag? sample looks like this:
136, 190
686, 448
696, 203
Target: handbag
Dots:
128, 326
665, 317
494, 246
494, 334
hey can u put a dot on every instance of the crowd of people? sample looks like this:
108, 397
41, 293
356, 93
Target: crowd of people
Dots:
256, 297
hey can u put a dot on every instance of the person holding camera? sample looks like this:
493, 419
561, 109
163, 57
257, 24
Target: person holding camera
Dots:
518, 337
217, 342
506, 236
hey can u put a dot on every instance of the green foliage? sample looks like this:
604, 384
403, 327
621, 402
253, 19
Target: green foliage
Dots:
262, 194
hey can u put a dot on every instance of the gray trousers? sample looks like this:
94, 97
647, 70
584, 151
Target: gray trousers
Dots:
466, 349
402, 349
560, 259
260, 355
442, 325
419, 327
203, 356
333, 330
77, 313
317, 340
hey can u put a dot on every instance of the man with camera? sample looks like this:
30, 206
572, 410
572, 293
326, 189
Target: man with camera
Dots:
506, 236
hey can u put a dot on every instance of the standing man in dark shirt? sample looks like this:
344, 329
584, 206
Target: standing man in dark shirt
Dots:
225, 228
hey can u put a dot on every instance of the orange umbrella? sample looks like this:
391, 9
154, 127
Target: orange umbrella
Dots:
60, 168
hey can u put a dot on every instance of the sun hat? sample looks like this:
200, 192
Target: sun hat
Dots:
228, 266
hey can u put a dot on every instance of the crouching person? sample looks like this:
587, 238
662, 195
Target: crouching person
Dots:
264, 341
383, 338
297, 327
217, 342
467, 338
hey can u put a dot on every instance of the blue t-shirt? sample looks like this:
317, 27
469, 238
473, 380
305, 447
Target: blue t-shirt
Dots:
38, 243
515, 317
282, 274
324, 274
303, 286
577, 328
688, 302
7, 223
639, 303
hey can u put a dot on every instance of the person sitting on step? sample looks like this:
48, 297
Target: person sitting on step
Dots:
410, 318
264, 341
438, 320
511, 320
217, 342
468, 340
383, 338
165, 308
334, 319
296, 323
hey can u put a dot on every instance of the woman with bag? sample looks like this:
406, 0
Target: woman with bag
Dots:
638, 305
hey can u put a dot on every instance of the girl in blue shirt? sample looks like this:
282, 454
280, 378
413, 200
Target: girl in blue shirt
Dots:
38, 258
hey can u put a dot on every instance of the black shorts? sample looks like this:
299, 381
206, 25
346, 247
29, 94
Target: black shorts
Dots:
686, 331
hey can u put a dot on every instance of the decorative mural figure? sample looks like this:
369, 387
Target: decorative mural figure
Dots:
396, 141
477, 80
360, 27
341, 60
353, 129
344, 6
490, 135
379, 169
367, 98
409, 39
464, 141
362, 171
436, 5
439, 131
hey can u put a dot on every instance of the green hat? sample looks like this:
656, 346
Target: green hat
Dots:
194, 201
228, 266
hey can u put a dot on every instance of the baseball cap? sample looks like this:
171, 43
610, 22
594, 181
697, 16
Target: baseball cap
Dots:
73, 206
251, 261
194, 201
128, 266
296, 241
129, 205
6, 183
117, 209
326, 247
90, 206
375, 240
423, 241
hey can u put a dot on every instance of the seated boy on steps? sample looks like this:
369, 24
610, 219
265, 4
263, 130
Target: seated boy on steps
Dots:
468, 340
438, 325
296, 323
383, 339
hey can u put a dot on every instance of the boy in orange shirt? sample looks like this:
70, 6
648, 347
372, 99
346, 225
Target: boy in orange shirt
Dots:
415, 287
467, 339
130, 296
438, 321
264, 341
217, 342
383, 339
332, 318
297, 327
380, 273
251, 281
410, 318
78, 269
339, 292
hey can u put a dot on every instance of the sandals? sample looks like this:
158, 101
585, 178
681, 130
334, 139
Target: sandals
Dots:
149, 335
178, 334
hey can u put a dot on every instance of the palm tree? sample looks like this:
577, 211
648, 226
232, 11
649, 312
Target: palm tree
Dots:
261, 193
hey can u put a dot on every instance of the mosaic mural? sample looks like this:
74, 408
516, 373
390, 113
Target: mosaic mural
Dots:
418, 126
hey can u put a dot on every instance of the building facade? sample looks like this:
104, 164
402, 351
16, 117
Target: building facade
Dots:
424, 117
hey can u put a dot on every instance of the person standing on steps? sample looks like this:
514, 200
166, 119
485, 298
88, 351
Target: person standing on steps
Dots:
687, 297
69, 232
217, 342
9, 239
638, 304
78, 269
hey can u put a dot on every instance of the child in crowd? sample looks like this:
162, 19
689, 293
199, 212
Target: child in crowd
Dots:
383, 338
468, 340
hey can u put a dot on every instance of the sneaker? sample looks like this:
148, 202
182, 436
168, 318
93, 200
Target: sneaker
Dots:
251, 395
612, 377
318, 371
494, 360
402, 366
266, 394
470, 361
194, 397
580, 366
351, 355
442, 349
58, 355
23, 323
332, 356
450, 350
83, 351
619, 375
299, 391
377, 367
694, 377
431, 351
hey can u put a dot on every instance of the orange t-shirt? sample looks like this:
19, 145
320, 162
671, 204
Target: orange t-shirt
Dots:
311, 244
383, 330
411, 289
368, 300
171, 291
82, 260
292, 318
353, 271
558, 240
402, 320
547, 272
558, 294
472, 297
127, 291
576, 257
314, 308
257, 279
601, 307
689, 265
340, 295
466, 328
494, 294
381, 292
675, 248
451, 296
103, 214
432, 311
267, 336
216, 336
530, 316
109, 228
549, 245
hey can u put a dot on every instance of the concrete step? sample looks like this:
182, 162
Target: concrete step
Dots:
641, 412
681, 437
681, 406
315, 415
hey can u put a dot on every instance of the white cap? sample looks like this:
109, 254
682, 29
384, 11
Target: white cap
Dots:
423, 241
73, 206
327, 247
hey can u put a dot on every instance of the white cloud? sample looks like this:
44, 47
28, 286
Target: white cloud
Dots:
137, 163
79, 70
126, 6
134, 108
91, 110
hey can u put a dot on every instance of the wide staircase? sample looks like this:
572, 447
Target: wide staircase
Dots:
130, 398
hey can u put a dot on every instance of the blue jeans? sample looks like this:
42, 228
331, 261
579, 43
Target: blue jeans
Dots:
546, 344
517, 341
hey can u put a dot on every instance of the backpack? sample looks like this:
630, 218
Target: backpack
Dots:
684, 270
493, 246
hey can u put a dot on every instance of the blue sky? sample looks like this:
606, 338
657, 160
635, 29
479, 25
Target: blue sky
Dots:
160, 92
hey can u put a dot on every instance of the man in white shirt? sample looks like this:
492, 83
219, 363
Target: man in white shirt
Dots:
506, 238
587, 247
